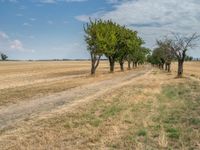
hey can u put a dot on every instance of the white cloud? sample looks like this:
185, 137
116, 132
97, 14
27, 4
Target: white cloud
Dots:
16, 44
56, 1
116, 1
153, 19
12, 1
83, 18
86, 18
32, 19
26, 24
48, 1
8, 45
3, 35
50, 22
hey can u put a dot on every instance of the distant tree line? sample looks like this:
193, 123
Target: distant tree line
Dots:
117, 43
174, 48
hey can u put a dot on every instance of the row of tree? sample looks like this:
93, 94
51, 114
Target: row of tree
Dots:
115, 42
173, 48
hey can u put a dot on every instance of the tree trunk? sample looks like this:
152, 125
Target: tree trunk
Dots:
93, 70
112, 64
169, 68
129, 65
166, 66
94, 63
162, 66
136, 64
180, 68
133, 64
122, 66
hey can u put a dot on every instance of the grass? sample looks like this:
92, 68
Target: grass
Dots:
173, 133
142, 132
22, 81
190, 68
181, 103
143, 115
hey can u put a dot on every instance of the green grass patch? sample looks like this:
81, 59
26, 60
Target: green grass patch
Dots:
111, 111
142, 132
179, 114
194, 121
173, 133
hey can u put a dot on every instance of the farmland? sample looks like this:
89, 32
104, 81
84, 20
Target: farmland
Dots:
58, 104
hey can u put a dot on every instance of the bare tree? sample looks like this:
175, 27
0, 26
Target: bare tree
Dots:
179, 46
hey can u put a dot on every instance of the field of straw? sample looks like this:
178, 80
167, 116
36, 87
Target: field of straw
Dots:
25, 80
190, 68
58, 105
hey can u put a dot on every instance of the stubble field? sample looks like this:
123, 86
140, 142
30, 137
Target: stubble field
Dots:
58, 105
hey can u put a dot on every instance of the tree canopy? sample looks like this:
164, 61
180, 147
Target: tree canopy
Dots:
3, 56
116, 42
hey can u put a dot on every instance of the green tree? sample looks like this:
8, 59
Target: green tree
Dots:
3, 56
166, 53
115, 42
110, 43
125, 45
93, 36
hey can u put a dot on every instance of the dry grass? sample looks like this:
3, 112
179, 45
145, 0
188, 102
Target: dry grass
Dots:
154, 112
190, 68
25, 80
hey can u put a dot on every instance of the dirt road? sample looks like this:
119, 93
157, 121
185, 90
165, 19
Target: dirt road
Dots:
15, 113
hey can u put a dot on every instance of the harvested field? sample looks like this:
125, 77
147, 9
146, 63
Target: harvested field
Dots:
144, 108
24, 80
190, 68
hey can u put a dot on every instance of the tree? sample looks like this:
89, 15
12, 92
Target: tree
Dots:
121, 47
127, 43
188, 58
92, 38
173, 48
110, 43
140, 55
179, 46
158, 57
115, 42
166, 53
3, 56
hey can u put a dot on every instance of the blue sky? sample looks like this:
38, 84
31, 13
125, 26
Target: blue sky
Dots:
47, 29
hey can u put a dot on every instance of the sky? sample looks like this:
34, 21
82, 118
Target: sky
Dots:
53, 29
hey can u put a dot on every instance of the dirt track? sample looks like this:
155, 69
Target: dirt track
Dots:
25, 110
